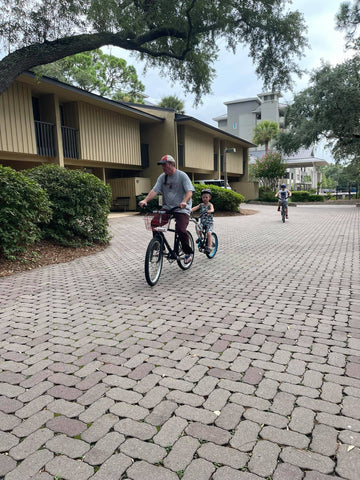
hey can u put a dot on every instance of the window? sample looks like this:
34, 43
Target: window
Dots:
36, 108
145, 161
181, 154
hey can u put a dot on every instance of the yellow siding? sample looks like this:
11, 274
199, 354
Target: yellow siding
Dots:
234, 161
108, 137
199, 149
17, 129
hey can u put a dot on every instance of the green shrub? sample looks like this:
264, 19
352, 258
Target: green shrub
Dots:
316, 198
223, 200
300, 196
152, 205
23, 206
266, 194
80, 205
305, 196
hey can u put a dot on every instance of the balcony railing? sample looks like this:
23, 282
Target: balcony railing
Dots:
45, 139
69, 141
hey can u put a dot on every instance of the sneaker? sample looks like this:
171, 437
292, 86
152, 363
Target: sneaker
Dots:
287, 216
278, 209
207, 250
188, 258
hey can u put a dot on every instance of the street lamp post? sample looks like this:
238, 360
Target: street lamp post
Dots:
227, 150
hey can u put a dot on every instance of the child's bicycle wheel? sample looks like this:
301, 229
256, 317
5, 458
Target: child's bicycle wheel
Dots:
214, 246
153, 261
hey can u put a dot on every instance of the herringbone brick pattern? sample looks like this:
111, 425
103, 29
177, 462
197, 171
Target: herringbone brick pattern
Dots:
245, 367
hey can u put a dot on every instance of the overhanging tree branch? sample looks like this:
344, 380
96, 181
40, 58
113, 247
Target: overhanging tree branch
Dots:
42, 53
179, 37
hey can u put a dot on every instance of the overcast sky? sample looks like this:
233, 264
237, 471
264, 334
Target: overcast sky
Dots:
236, 74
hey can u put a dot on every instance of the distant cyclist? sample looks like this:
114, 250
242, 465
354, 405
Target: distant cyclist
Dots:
283, 195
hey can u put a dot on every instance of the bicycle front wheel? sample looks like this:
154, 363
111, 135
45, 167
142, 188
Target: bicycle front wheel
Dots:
214, 245
153, 261
181, 254
283, 212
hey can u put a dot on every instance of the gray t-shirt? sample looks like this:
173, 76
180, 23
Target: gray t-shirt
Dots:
173, 188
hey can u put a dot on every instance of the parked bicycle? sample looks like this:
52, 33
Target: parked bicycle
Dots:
202, 241
159, 247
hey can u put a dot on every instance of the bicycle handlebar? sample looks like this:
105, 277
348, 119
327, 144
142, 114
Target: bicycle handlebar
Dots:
192, 216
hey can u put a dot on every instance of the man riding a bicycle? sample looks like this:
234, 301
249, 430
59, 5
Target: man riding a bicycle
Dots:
283, 195
176, 188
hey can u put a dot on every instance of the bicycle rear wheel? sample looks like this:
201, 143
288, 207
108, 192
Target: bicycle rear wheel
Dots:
214, 245
181, 254
153, 261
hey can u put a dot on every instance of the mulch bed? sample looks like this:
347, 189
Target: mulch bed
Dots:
44, 253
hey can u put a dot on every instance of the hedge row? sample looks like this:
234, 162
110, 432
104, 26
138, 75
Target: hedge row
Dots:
69, 207
223, 200
266, 195
304, 196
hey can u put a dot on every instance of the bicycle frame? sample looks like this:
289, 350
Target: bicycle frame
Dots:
283, 210
159, 247
202, 238
172, 253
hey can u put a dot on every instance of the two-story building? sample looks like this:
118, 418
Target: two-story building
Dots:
43, 120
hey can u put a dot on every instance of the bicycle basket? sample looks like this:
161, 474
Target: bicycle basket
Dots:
157, 221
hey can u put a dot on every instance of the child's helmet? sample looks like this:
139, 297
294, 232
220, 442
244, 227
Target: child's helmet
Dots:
283, 185
206, 190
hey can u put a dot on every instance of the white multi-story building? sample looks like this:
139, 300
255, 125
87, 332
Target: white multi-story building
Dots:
244, 114
241, 118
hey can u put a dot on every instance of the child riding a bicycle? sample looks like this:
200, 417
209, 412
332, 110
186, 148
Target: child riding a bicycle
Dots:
283, 195
206, 217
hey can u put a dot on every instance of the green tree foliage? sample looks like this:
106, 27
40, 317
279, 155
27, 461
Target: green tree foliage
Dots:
340, 176
348, 20
269, 169
80, 205
24, 205
182, 38
99, 73
328, 109
331, 175
264, 132
172, 101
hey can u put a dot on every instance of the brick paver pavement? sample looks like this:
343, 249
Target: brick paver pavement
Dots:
245, 367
